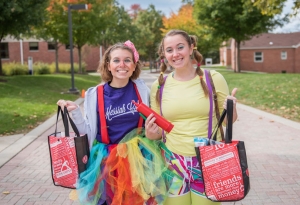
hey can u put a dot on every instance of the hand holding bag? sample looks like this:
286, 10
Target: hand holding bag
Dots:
224, 166
69, 153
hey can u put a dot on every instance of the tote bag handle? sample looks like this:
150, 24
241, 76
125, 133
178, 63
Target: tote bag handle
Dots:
228, 112
66, 119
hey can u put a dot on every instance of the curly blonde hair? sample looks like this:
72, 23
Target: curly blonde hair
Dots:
103, 65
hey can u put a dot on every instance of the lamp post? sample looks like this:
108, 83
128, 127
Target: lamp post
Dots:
73, 90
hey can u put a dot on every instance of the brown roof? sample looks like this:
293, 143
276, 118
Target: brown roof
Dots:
269, 40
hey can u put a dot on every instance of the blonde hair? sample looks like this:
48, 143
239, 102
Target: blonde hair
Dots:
191, 40
103, 65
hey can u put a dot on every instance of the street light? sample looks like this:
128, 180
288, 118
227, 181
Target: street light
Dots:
73, 90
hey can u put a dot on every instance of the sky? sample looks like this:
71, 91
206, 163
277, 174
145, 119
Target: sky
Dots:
294, 24
168, 6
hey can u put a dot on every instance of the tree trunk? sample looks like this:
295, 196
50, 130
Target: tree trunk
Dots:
238, 62
56, 57
1, 72
234, 64
79, 57
150, 62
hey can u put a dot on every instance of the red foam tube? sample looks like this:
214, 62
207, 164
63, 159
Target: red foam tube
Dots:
160, 121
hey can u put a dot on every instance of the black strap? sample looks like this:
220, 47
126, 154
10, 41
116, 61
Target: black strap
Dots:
72, 123
229, 114
57, 115
66, 119
228, 135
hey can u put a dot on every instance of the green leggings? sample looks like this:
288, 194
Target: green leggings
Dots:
189, 199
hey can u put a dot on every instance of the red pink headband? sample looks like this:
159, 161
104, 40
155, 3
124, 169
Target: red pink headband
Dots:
132, 47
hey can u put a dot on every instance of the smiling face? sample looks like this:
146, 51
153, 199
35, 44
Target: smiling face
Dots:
177, 51
121, 66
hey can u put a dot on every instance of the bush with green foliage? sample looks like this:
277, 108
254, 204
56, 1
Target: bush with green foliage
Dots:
14, 68
39, 68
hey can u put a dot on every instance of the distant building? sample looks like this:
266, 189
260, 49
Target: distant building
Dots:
13, 50
267, 52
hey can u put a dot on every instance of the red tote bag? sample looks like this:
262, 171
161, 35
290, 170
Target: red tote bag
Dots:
224, 166
69, 153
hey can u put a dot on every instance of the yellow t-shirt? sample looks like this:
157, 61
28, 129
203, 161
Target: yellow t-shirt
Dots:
186, 107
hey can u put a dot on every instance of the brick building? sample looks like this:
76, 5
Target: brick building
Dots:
268, 52
13, 50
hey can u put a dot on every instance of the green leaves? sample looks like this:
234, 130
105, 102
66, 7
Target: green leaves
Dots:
149, 24
18, 16
237, 19
120, 28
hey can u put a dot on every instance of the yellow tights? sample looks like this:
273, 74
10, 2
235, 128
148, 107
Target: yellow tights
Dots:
189, 199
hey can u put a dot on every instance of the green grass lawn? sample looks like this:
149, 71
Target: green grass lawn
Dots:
27, 101
274, 93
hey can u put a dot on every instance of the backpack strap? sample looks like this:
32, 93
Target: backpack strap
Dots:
103, 125
161, 89
212, 95
210, 104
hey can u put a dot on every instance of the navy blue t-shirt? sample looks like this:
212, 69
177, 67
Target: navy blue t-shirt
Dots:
120, 113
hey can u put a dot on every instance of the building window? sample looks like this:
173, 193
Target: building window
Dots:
258, 57
283, 55
4, 50
33, 46
67, 47
51, 46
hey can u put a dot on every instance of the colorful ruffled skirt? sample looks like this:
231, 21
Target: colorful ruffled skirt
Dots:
132, 173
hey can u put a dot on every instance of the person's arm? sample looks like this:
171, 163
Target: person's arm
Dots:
67, 103
153, 132
223, 94
233, 98
85, 124
77, 117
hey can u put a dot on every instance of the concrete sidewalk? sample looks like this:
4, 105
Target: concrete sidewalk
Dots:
272, 145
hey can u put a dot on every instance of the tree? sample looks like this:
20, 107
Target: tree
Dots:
267, 7
149, 24
134, 10
87, 26
19, 16
52, 28
273, 7
235, 19
120, 28
184, 20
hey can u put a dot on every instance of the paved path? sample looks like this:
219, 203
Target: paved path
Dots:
272, 145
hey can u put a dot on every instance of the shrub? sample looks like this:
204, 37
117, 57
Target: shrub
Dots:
40, 68
76, 67
52, 67
64, 68
14, 68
